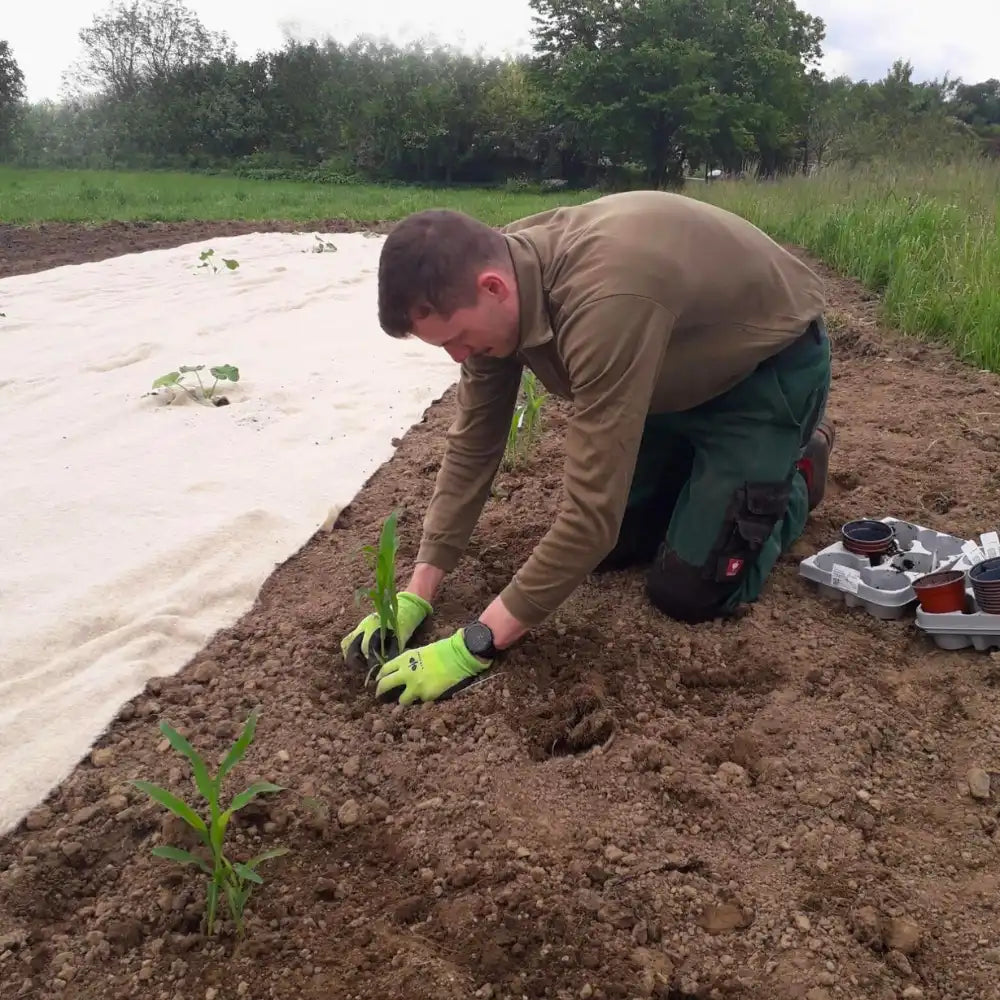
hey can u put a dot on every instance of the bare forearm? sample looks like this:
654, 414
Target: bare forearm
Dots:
425, 580
505, 627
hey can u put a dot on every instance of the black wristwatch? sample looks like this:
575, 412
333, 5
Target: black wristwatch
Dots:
479, 640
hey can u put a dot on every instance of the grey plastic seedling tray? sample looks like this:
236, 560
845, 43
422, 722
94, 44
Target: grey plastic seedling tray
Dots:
886, 590
961, 629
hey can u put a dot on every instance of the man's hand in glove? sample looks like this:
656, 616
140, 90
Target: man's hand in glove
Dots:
361, 645
430, 673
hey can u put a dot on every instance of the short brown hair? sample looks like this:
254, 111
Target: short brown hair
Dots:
430, 261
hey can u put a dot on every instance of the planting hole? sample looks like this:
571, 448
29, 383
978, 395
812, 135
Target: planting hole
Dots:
572, 724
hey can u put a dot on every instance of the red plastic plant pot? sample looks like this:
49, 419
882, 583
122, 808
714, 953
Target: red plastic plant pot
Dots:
941, 593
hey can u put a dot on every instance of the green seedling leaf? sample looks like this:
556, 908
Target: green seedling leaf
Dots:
184, 857
172, 378
231, 264
218, 831
205, 254
236, 900
191, 368
177, 806
244, 871
202, 781
246, 797
239, 748
229, 373
275, 852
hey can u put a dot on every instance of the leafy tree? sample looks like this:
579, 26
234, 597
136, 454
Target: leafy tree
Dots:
614, 94
134, 42
666, 82
11, 93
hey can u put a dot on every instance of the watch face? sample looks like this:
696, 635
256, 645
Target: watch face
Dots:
478, 638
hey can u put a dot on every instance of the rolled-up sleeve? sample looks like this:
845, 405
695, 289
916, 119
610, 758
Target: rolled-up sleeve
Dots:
486, 397
613, 349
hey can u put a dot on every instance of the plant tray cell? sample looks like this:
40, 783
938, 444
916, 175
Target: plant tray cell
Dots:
961, 629
885, 589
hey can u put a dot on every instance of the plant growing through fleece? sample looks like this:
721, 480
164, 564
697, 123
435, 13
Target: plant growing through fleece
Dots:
175, 380
322, 246
382, 593
230, 881
207, 258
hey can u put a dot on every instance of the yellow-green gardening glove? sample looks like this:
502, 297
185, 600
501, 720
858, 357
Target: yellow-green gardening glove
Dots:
361, 645
430, 673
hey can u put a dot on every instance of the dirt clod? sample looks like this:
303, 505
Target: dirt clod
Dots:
719, 919
903, 935
979, 783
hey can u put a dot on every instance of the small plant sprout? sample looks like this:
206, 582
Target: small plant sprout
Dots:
228, 881
175, 380
525, 424
322, 246
383, 592
207, 258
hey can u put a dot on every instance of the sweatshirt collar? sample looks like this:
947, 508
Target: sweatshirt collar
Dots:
535, 325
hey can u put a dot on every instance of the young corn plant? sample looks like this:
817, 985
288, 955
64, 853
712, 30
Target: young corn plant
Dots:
229, 881
382, 593
525, 424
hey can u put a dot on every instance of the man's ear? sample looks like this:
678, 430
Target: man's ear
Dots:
495, 284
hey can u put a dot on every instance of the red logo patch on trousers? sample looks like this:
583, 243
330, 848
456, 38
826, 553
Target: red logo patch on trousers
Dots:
733, 567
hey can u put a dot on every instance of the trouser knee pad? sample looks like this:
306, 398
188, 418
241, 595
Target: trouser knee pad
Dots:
687, 593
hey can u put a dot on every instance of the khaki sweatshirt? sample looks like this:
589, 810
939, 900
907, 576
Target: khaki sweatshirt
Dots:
632, 303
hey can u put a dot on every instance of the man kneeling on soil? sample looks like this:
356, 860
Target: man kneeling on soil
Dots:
694, 352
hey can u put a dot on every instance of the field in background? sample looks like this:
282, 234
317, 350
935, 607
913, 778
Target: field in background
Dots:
29, 196
927, 239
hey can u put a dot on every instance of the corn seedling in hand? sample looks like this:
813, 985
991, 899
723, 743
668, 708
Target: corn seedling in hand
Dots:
207, 258
229, 881
383, 592
175, 380
525, 424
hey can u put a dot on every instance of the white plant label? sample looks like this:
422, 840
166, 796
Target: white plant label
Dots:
845, 578
972, 551
991, 544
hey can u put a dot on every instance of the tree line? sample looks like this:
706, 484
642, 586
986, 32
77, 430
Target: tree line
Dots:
613, 94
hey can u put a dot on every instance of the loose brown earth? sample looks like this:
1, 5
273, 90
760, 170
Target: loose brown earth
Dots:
774, 808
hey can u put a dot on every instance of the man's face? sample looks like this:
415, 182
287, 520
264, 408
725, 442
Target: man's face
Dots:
489, 328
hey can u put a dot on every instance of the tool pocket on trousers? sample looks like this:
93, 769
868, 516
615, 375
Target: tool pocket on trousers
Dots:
751, 517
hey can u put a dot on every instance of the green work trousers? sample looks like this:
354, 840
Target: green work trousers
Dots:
717, 495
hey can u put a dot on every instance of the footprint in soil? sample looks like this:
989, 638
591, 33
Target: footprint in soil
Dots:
572, 723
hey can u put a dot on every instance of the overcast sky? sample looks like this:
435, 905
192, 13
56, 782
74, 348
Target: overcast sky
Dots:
863, 37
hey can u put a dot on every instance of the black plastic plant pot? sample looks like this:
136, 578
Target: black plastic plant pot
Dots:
867, 537
985, 577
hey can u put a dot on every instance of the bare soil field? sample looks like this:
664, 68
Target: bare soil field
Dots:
775, 808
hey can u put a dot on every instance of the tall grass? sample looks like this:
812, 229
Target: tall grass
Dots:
31, 196
926, 238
